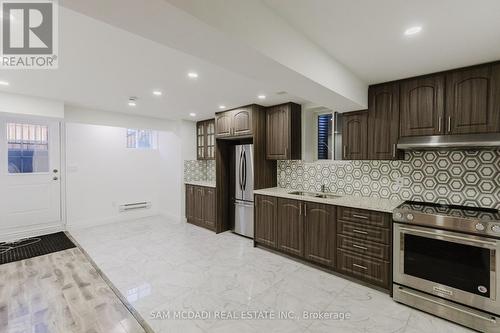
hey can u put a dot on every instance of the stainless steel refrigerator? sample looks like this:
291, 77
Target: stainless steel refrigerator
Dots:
243, 198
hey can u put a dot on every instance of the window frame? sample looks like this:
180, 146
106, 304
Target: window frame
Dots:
153, 139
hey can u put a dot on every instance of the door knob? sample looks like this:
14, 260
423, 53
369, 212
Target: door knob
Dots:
55, 178
55, 171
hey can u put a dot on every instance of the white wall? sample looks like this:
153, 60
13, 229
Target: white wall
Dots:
26, 105
102, 174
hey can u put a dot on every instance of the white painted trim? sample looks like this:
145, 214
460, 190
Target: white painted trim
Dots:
63, 172
11, 234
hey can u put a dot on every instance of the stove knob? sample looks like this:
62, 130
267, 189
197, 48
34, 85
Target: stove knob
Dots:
480, 227
399, 215
410, 217
495, 228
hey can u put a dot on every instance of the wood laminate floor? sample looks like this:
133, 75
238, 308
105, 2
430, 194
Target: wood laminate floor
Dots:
60, 293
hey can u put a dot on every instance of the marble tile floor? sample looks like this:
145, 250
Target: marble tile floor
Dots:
60, 293
161, 266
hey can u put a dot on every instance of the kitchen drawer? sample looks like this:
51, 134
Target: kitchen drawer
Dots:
367, 217
371, 270
364, 232
363, 247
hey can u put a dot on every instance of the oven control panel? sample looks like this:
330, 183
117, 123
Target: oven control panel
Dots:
453, 223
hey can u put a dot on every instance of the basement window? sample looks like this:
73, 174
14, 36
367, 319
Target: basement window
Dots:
141, 139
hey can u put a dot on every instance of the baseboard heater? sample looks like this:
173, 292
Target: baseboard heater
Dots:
134, 206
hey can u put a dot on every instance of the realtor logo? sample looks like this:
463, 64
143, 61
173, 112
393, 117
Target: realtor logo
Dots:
29, 34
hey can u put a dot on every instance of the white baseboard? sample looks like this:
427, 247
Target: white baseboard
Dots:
11, 234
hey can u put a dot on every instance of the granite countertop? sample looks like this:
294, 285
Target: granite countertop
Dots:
204, 183
369, 203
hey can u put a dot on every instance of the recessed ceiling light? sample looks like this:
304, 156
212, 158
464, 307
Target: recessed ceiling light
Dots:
261, 97
132, 101
157, 92
4, 83
193, 75
413, 30
192, 114
222, 107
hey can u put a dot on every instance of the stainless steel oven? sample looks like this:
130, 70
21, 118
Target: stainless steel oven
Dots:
447, 264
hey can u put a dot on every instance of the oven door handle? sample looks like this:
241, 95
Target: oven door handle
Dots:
458, 238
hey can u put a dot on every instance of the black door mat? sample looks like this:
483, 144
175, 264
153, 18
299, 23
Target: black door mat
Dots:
33, 247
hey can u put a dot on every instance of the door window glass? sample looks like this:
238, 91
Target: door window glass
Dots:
28, 148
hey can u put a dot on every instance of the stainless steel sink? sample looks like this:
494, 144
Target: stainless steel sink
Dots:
316, 195
306, 194
328, 196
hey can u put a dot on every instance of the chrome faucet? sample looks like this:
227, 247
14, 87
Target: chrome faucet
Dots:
323, 188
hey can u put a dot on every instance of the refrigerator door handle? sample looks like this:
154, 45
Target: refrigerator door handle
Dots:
244, 170
241, 171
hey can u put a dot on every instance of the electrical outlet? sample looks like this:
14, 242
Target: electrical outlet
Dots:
399, 182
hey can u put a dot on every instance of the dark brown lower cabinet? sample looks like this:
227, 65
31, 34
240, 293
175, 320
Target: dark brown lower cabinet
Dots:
351, 241
290, 227
189, 203
200, 206
320, 233
209, 216
368, 269
266, 223
364, 245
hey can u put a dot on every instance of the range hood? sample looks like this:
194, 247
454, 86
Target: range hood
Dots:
462, 141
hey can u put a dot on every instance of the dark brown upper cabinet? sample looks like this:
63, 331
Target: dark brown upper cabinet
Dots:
284, 132
205, 140
223, 124
290, 226
422, 106
242, 122
320, 231
473, 100
355, 135
383, 121
234, 123
266, 223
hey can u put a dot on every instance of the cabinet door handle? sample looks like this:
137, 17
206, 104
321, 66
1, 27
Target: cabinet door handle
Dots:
440, 120
394, 150
300, 209
449, 124
345, 151
305, 209
360, 216
359, 266
359, 232
360, 247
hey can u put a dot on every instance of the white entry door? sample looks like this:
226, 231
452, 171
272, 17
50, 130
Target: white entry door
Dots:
30, 164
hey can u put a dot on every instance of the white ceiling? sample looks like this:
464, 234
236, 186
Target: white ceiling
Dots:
113, 49
101, 66
367, 36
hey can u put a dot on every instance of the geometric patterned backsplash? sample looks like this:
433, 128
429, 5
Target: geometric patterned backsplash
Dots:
463, 177
199, 170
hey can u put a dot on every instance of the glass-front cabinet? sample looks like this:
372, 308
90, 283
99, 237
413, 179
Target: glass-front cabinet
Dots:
205, 140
